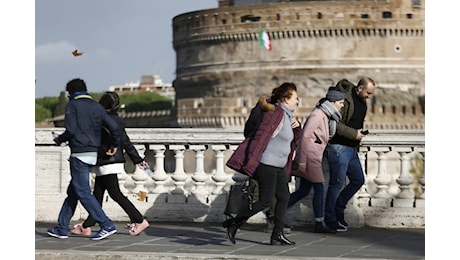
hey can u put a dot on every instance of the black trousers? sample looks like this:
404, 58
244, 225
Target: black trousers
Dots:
110, 183
273, 182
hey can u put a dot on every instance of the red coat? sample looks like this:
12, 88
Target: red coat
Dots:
246, 157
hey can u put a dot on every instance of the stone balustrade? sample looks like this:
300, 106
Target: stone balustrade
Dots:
191, 182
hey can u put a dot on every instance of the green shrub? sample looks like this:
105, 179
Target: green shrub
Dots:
147, 101
41, 113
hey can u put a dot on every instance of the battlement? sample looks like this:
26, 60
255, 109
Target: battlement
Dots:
310, 18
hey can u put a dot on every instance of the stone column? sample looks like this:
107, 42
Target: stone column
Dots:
219, 175
179, 177
381, 197
199, 177
159, 174
405, 198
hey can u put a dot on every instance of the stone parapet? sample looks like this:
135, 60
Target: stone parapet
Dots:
191, 181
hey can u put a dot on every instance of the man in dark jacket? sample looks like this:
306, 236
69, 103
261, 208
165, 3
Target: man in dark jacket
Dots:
342, 152
84, 120
107, 169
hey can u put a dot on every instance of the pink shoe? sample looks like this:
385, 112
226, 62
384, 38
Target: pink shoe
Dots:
129, 226
78, 229
137, 228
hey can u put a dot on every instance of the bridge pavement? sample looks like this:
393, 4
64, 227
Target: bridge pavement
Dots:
178, 240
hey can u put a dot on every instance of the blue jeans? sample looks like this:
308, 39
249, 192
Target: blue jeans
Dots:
304, 190
343, 161
80, 190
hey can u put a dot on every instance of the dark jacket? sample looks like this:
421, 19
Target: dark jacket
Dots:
347, 111
246, 157
124, 146
84, 119
256, 114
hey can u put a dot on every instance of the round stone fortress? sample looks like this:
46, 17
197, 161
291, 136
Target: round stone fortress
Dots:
221, 69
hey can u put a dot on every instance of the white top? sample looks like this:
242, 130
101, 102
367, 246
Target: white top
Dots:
112, 168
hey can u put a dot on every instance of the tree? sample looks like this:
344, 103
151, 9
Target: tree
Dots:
41, 113
60, 106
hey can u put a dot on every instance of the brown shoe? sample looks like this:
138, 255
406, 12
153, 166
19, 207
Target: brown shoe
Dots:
137, 228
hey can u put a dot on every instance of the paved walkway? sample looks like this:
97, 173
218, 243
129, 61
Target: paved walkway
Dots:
177, 240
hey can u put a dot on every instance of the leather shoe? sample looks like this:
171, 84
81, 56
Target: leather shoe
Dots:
321, 228
232, 227
279, 239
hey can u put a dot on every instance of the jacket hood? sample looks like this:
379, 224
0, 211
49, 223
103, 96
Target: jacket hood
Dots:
344, 85
265, 105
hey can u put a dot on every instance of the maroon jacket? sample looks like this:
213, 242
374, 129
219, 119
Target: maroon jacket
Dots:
246, 157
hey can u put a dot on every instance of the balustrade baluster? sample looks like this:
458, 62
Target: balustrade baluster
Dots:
382, 180
219, 175
179, 177
405, 179
129, 184
159, 174
421, 180
405, 198
139, 176
362, 154
199, 177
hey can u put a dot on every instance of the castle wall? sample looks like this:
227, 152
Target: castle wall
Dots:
315, 44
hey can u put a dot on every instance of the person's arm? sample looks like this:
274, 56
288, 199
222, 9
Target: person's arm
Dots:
115, 133
346, 131
70, 123
130, 149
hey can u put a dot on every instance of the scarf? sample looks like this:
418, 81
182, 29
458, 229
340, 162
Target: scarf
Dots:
332, 113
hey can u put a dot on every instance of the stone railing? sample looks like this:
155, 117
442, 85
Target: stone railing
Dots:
190, 180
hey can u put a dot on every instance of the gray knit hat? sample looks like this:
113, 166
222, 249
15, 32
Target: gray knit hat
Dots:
335, 95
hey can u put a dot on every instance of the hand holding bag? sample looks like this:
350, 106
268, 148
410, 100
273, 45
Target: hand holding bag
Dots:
240, 198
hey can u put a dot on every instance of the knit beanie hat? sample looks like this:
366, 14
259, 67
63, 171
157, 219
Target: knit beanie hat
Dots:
335, 95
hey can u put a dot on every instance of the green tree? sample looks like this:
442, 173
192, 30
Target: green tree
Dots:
147, 101
60, 106
41, 113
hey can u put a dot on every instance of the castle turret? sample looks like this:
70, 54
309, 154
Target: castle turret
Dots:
222, 68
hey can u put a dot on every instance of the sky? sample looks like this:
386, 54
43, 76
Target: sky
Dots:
120, 41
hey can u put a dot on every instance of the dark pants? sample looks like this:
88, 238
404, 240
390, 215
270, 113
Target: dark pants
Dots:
273, 183
110, 183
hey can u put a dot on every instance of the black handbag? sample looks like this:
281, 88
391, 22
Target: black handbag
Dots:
240, 198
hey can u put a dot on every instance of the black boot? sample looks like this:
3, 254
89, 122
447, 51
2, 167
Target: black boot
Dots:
321, 228
278, 238
232, 226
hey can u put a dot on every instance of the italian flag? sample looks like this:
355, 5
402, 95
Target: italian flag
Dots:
264, 40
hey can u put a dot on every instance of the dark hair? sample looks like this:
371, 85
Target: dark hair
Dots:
284, 91
110, 101
75, 85
365, 81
